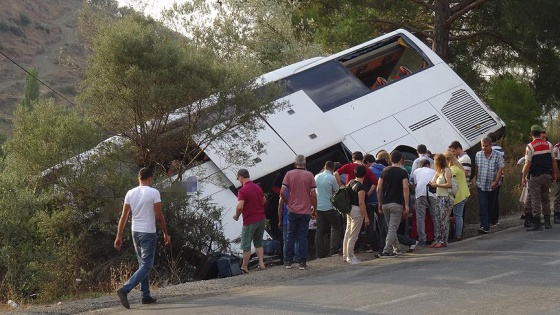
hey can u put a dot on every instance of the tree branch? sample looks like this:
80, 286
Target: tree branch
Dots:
458, 10
425, 4
489, 34
427, 33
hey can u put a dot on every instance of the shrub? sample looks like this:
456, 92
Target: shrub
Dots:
23, 20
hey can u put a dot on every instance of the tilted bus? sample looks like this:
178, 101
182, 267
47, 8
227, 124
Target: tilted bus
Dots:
392, 93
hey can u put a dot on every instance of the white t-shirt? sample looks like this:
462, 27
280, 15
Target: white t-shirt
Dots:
421, 177
141, 200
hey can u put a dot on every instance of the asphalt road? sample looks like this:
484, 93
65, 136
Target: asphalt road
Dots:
508, 272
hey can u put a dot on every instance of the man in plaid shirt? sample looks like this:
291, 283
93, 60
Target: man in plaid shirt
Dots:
489, 166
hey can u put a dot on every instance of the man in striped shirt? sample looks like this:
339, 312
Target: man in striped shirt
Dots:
489, 164
542, 169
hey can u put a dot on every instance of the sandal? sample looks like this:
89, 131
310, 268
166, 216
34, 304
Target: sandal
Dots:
244, 271
438, 245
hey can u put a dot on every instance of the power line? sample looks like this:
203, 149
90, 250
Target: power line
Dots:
43, 83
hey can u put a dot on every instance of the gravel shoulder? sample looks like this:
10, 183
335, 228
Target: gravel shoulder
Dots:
254, 279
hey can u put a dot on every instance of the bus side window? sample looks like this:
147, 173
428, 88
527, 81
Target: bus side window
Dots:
378, 82
424, 64
402, 72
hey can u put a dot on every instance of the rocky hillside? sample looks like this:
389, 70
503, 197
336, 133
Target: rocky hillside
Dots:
41, 34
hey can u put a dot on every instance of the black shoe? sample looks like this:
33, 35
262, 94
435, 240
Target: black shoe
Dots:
149, 300
556, 217
483, 230
537, 224
302, 265
547, 224
123, 298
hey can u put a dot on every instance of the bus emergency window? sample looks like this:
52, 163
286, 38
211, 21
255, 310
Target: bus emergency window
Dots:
384, 60
329, 85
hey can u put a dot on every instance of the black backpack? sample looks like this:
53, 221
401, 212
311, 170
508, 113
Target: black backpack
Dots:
341, 199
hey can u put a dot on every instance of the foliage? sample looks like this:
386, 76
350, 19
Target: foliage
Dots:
46, 135
514, 102
31, 89
150, 86
261, 30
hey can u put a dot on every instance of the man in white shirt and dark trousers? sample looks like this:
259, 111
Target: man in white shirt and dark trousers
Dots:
144, 202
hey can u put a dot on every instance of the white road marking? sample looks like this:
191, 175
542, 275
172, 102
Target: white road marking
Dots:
502, 275
552, 263
406, 298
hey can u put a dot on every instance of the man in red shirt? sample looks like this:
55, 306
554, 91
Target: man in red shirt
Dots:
250, 203
349, 170
302, 205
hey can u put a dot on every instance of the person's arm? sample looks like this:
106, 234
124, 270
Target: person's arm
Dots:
496, 181
161, 221
379, 195
406, 194
238, 209
448, 178
314, 203
555, 170
362, 205
122, 223
280, 212
373, 181
283, 195
337, 178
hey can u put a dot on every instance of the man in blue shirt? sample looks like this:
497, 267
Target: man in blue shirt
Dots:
327, 236
422, 155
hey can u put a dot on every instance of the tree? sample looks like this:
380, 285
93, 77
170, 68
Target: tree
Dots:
515, 103
156, 89
31, 89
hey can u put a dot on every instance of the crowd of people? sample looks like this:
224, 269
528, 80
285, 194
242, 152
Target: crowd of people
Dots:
383, 192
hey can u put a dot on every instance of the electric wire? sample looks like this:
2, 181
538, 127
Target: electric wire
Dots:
36, 78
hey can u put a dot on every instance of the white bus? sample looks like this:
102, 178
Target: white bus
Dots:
390, 93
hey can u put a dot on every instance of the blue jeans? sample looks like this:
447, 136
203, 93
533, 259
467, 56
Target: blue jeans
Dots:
458, 210
298, 224
484, 203
285, 249
145, 247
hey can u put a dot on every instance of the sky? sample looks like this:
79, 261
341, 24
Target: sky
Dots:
153, 7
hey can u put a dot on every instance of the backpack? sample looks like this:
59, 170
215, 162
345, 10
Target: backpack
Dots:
454, 187
341, 199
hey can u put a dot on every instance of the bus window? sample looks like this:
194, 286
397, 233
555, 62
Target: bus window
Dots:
393, 59
329, 85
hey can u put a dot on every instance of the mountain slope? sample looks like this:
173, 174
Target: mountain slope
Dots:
43, 35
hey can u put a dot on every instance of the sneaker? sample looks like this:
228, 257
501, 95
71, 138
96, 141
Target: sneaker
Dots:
354, 260
484, 230
413, 247
149, 300
123, 298
288, 265
387, 255
397, 252
422, 243
302, 265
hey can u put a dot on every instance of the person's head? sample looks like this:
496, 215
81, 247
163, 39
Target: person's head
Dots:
452, 161
396, 157
360, 171
337, 165
369, 159
536, 131
300, 161
243, 175
383, 155
357, 156
456, 148
329, 166
382, 162
425, 163
440, 163
486, 144
145, 175
421, 149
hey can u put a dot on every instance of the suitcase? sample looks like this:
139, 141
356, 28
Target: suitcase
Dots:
228, 266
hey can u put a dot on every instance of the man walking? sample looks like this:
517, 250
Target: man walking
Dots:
327, 236
393, 197
144, 202
542, 169
489, 165
302, 205
250, 203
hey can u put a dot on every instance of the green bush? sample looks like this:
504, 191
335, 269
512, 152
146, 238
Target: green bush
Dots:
24, 20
